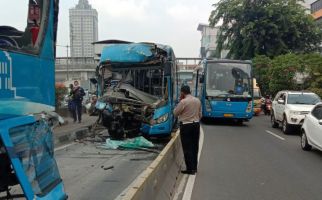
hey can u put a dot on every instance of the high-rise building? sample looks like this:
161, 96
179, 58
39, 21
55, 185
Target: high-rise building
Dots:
83, 22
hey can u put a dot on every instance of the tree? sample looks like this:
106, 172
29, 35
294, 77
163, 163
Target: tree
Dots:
264, 27
262, 65
280, 73
60, 92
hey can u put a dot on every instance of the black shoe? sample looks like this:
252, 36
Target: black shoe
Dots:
190, 172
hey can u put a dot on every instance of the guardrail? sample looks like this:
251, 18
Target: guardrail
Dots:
159, 180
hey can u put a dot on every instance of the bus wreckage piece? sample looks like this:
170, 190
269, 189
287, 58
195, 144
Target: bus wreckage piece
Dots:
133, 86
126, 109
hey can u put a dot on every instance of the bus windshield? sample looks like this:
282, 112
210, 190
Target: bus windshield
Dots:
34, 146
148, 80
228, 80
185, 77
257, 93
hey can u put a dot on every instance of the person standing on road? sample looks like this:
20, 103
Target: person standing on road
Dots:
189, 113
77, 99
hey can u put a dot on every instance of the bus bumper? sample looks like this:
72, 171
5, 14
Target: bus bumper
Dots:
223, 115
157, 129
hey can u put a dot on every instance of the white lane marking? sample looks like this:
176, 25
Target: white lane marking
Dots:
191, 180
273, 134
63, 147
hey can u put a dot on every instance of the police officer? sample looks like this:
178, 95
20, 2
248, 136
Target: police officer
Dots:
189, 113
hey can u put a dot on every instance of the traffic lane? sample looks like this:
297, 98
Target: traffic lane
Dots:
245, 162
92, 173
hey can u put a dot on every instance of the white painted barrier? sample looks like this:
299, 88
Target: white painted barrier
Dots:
159, 180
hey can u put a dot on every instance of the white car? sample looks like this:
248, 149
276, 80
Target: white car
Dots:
289, 109
312, 129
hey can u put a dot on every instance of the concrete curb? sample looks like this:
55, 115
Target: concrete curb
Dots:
69, 136
160, 179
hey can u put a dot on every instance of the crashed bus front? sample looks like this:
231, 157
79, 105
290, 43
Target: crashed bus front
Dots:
136, 86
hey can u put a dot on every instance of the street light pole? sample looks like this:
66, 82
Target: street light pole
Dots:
67, 62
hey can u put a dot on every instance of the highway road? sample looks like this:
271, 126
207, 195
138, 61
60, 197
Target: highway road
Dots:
89, 172
255, 162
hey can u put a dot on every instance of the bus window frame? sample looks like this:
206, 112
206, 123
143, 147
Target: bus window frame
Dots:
35, 49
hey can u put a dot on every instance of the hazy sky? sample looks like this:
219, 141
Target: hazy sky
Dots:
172, 22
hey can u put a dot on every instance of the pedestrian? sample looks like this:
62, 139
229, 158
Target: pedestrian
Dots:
77, 94
189, 113
71, 105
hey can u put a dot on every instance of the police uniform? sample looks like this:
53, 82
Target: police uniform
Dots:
189, 113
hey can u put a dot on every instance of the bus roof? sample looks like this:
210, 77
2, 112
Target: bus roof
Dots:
136, 53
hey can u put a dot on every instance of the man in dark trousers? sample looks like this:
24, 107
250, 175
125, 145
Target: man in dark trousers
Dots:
77, 94
189, 113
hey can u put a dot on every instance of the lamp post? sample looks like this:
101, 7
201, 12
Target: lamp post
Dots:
67, 59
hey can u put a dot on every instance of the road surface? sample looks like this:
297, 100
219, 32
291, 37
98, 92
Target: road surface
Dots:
92, 173
256, 162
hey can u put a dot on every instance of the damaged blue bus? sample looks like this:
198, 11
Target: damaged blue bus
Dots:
136, 83
27, 100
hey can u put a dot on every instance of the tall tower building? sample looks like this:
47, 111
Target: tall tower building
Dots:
83, 22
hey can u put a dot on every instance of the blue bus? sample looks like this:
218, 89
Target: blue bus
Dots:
137, 82
27, 99
225, 88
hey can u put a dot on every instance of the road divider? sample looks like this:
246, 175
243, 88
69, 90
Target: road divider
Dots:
159, 180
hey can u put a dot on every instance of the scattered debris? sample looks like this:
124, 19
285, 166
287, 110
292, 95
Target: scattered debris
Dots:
134, 143
107, 168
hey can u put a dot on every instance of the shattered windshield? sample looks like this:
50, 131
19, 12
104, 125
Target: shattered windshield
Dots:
228, 79
33, 144
147, 85
139, 95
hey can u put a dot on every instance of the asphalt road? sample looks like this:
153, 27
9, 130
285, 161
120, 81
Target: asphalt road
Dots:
92, 173
250, 162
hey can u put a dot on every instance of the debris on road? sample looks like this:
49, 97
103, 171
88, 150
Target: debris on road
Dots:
134, 143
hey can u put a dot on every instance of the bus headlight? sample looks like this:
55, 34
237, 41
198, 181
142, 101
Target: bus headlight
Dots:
208, 106
162, 119
249, 107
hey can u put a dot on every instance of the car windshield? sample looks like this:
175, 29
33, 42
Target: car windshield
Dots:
228, 79
305, 99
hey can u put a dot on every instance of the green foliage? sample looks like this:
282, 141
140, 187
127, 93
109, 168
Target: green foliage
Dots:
264, 27
60, 92
279, 73
262, 65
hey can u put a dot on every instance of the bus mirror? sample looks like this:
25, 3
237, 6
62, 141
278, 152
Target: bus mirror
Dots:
167, 68
201, 79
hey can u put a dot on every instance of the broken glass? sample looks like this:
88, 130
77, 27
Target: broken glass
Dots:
34, 146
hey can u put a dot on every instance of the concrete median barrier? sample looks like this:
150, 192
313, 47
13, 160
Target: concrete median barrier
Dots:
159, 180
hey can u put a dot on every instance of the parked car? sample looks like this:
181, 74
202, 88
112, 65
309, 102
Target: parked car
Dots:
312, 129
290, 108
